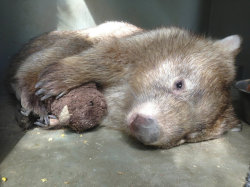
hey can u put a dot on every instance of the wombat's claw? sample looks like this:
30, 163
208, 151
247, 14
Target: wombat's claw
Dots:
52, 117
25, 112
39, 124
61, 94
43, 121
46, 120
40, 92
46, 97
39, 84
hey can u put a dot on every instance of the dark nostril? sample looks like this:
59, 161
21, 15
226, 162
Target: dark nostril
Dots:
145, 128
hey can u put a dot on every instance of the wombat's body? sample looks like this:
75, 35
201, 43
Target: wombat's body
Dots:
164, 86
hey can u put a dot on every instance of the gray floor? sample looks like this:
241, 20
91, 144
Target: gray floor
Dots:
105, 157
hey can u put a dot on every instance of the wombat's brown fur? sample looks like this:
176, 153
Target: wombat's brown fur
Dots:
165, 86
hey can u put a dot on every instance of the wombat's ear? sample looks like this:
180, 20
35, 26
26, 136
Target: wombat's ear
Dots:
230, 44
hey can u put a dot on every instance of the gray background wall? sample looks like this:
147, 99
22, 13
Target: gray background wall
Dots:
233, 17
23, 19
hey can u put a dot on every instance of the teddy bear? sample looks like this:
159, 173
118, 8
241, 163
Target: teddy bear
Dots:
80, 109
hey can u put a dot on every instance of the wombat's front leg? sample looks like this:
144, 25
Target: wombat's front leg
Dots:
31, 103
57, 79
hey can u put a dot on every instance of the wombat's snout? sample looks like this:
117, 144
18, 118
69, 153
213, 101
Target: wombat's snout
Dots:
144, 128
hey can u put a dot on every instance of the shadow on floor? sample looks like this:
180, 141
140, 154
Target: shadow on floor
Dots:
10, 133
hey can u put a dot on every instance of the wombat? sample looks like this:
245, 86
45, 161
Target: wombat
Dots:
165, 86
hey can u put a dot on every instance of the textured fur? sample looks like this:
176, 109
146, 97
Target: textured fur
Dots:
138, 71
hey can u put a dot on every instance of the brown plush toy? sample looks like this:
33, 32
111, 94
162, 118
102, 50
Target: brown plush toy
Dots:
80, 109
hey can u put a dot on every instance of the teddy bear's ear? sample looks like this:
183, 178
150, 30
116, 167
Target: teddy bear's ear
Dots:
230, 44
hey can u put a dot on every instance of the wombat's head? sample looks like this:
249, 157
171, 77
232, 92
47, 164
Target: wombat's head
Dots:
181, 87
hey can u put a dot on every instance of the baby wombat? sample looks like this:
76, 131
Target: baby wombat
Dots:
165, 86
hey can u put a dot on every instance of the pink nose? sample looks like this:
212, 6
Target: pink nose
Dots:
145, 129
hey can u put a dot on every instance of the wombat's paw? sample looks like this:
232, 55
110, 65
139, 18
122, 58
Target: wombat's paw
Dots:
49, 89
51, 83
44, 121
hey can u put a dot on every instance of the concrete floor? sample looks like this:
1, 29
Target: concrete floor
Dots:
105, 157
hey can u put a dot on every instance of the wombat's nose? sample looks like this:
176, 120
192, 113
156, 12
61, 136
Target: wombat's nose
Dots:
145, 128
